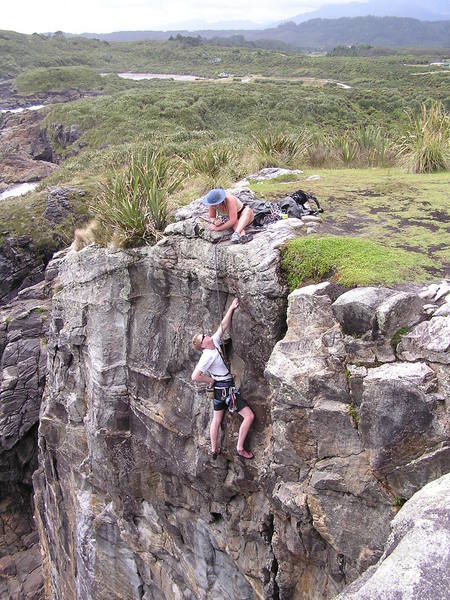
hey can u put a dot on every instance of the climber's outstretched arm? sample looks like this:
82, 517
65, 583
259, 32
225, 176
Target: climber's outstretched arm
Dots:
227, 318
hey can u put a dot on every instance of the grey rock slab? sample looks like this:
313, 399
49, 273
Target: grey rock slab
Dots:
402, 309
272, 173
416, 561
429, 340
302, 361
407, 479
292, 498
310, 230
332, 426
396, 415
417, 374
356, 376
341, 519
356, 309
442, 290
442, 311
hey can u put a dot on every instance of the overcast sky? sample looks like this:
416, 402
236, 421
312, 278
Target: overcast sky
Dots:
104, 16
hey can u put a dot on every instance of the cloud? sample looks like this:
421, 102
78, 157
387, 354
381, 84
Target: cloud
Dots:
103, 16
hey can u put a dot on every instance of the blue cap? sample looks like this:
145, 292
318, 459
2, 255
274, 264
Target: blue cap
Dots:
215, 196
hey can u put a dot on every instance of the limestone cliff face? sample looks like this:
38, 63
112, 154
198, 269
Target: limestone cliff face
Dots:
129, 502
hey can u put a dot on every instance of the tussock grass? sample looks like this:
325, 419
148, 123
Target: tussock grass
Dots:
350, 261
425, 147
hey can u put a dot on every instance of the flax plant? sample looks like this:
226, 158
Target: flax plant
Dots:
347, 149
133, 203
279, 149
426, 145
212, 161
373, 145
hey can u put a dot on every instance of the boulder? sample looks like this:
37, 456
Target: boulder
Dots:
356, 309
416, 560
429, 340
401, 420
129, 502
401, 309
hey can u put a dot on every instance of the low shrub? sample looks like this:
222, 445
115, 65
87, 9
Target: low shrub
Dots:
373, 146
318, 153
347, 149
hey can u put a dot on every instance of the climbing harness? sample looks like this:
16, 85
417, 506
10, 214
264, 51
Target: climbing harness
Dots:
231, 400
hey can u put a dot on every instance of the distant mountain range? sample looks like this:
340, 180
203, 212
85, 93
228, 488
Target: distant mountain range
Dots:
390, 32
424, 10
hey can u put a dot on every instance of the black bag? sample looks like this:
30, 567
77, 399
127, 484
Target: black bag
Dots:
303, 201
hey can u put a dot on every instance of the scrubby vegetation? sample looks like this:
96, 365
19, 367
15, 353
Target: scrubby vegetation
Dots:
137, 138
57, 79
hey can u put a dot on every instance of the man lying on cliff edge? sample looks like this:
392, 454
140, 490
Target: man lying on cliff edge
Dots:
212, 362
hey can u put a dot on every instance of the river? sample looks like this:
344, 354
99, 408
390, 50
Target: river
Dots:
18, 190
141, 76
21, 109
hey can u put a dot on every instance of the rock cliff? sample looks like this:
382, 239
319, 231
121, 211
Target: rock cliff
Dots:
350, 421
23, 353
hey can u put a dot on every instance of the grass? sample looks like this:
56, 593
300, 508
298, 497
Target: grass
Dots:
398, 336
400, 211
354, 127
20, 52
191, 115
214, 162
279, 148
353, 414
399, 501
349, 261
389, 206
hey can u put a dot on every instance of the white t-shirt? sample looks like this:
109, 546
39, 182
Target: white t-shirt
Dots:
211, 360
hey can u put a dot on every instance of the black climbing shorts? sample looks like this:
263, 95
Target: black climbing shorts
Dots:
220, 393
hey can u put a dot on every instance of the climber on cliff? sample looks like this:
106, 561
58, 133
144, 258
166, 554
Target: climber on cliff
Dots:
221, 381
236, 215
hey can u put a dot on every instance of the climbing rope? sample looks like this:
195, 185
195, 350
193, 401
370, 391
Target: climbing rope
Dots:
219, 308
